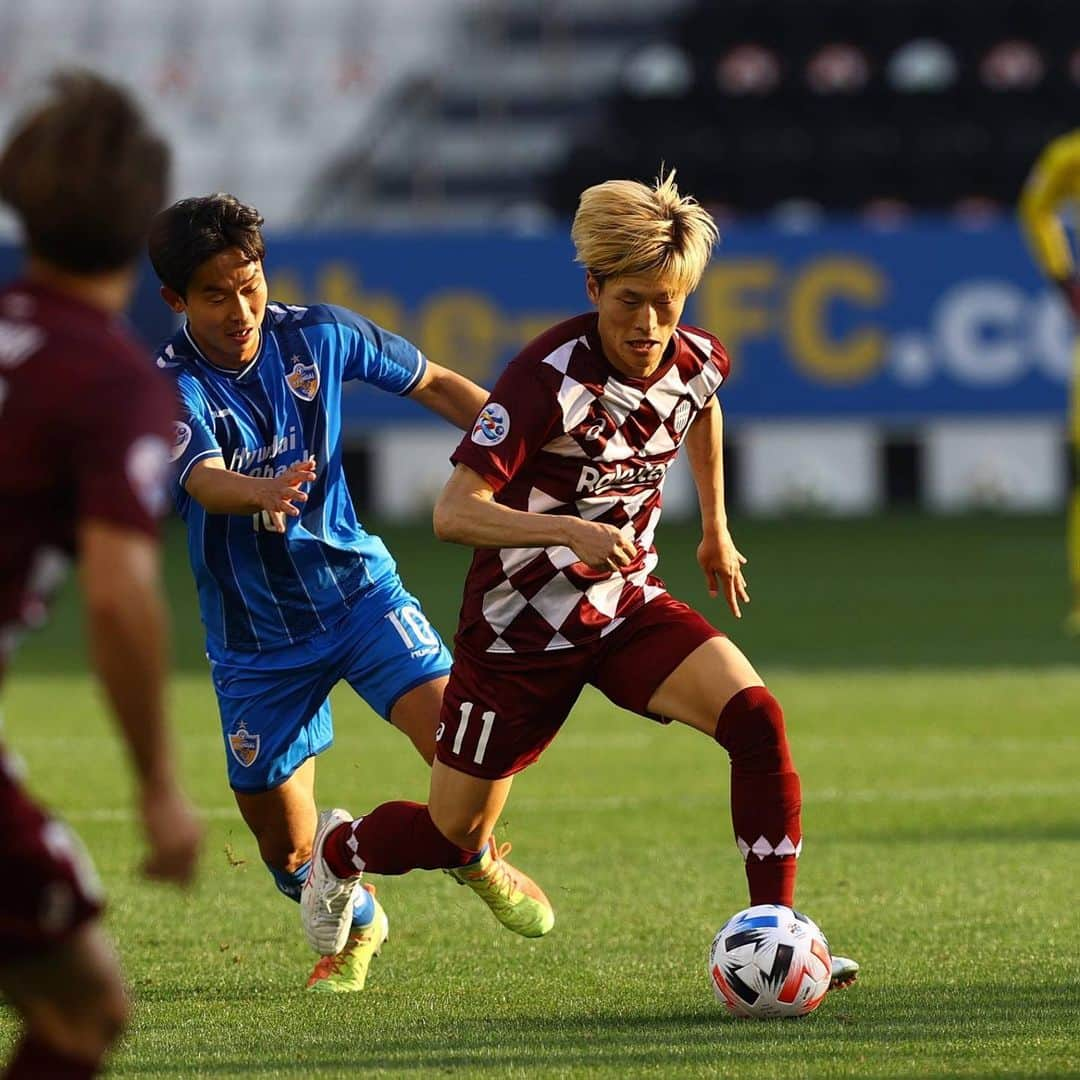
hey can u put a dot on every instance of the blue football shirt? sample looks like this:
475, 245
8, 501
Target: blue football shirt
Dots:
260, 589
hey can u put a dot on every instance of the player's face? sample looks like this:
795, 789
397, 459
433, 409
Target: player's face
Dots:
225, 304
638, 314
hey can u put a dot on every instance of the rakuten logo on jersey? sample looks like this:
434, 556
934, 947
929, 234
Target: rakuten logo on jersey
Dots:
593, 481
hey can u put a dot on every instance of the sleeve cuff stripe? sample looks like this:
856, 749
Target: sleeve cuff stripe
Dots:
216, 452
418, 375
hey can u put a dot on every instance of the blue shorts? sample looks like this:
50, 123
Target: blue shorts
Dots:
275, 710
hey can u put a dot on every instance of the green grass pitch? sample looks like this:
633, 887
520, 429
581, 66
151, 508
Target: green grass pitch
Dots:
932, 704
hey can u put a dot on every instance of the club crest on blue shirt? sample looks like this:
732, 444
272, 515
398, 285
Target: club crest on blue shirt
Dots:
244, 745
303, 380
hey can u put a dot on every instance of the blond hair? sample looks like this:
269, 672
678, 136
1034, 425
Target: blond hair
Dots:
626, 227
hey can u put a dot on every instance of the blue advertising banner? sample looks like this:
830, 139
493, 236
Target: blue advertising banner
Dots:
928, 320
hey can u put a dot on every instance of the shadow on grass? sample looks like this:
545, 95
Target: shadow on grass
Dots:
942, 1024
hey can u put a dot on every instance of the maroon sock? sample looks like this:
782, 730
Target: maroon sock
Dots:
766, 798
37, 1060
393, 839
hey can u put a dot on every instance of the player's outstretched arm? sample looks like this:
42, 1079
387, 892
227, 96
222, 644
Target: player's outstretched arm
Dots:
221, 491
466, 513
449, 394
119, 577
720, 560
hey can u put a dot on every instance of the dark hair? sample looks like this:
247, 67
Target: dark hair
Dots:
189, 232
85, 175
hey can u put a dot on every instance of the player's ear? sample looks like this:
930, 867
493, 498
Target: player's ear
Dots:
592, 286
173, 299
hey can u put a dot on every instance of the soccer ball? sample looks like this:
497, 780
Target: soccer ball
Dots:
770, 961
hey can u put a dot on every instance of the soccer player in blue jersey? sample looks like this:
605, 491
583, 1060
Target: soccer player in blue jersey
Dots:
295, 595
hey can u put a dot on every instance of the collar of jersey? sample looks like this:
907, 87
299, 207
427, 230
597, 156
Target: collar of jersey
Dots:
231, 373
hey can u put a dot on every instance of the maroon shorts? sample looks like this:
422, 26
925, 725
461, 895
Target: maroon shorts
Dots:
50, 887
501, 710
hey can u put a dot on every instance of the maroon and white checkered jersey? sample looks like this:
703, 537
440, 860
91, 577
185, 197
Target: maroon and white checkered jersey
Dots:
564, 432
85, 431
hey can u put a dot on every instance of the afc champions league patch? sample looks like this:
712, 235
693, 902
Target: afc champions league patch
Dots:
181, 438
492, 425
244, 745
303, 380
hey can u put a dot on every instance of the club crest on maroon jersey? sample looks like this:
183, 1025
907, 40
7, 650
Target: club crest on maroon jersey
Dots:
303, 380
244, 745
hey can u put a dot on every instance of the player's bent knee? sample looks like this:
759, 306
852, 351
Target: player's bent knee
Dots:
751, 728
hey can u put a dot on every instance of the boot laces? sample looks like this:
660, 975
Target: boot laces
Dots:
332, 965
499, 874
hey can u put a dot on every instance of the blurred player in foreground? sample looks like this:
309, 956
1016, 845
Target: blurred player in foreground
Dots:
1051, 191
85, 423
558, 486
295, 594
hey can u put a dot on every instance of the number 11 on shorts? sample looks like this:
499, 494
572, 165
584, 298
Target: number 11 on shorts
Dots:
487, 718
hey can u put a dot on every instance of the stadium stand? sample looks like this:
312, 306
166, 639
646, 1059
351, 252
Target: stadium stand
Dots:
500, 111
845, 103
256, 96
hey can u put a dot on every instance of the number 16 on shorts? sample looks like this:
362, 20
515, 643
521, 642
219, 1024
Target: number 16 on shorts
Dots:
486, 719
414, 630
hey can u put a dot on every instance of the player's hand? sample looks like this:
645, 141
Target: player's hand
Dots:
173, 834
600, 546
279, 494
722, 563
1070, 289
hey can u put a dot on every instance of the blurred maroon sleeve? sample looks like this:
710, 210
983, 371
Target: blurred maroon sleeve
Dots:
120, 444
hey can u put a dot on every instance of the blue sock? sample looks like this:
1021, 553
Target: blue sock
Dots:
478, 856
291, 882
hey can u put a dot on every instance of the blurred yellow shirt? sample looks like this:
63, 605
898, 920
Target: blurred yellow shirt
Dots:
1052, 190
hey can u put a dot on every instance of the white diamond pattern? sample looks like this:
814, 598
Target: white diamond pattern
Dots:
540, 501
562, 557
575, 401
502, 606
622, 486
605, 595
556, 600
353, 846
560, 358
763, 849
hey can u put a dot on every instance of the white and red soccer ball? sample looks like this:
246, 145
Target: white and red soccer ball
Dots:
770, 961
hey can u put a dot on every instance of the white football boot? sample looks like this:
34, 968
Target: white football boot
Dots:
326, 901
844, 972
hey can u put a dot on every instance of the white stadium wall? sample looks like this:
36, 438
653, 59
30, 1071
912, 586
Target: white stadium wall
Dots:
813, 467
781, 467
1006, 465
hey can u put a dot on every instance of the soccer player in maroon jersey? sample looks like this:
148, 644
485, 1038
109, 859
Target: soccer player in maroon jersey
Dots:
88, 419
558, 487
